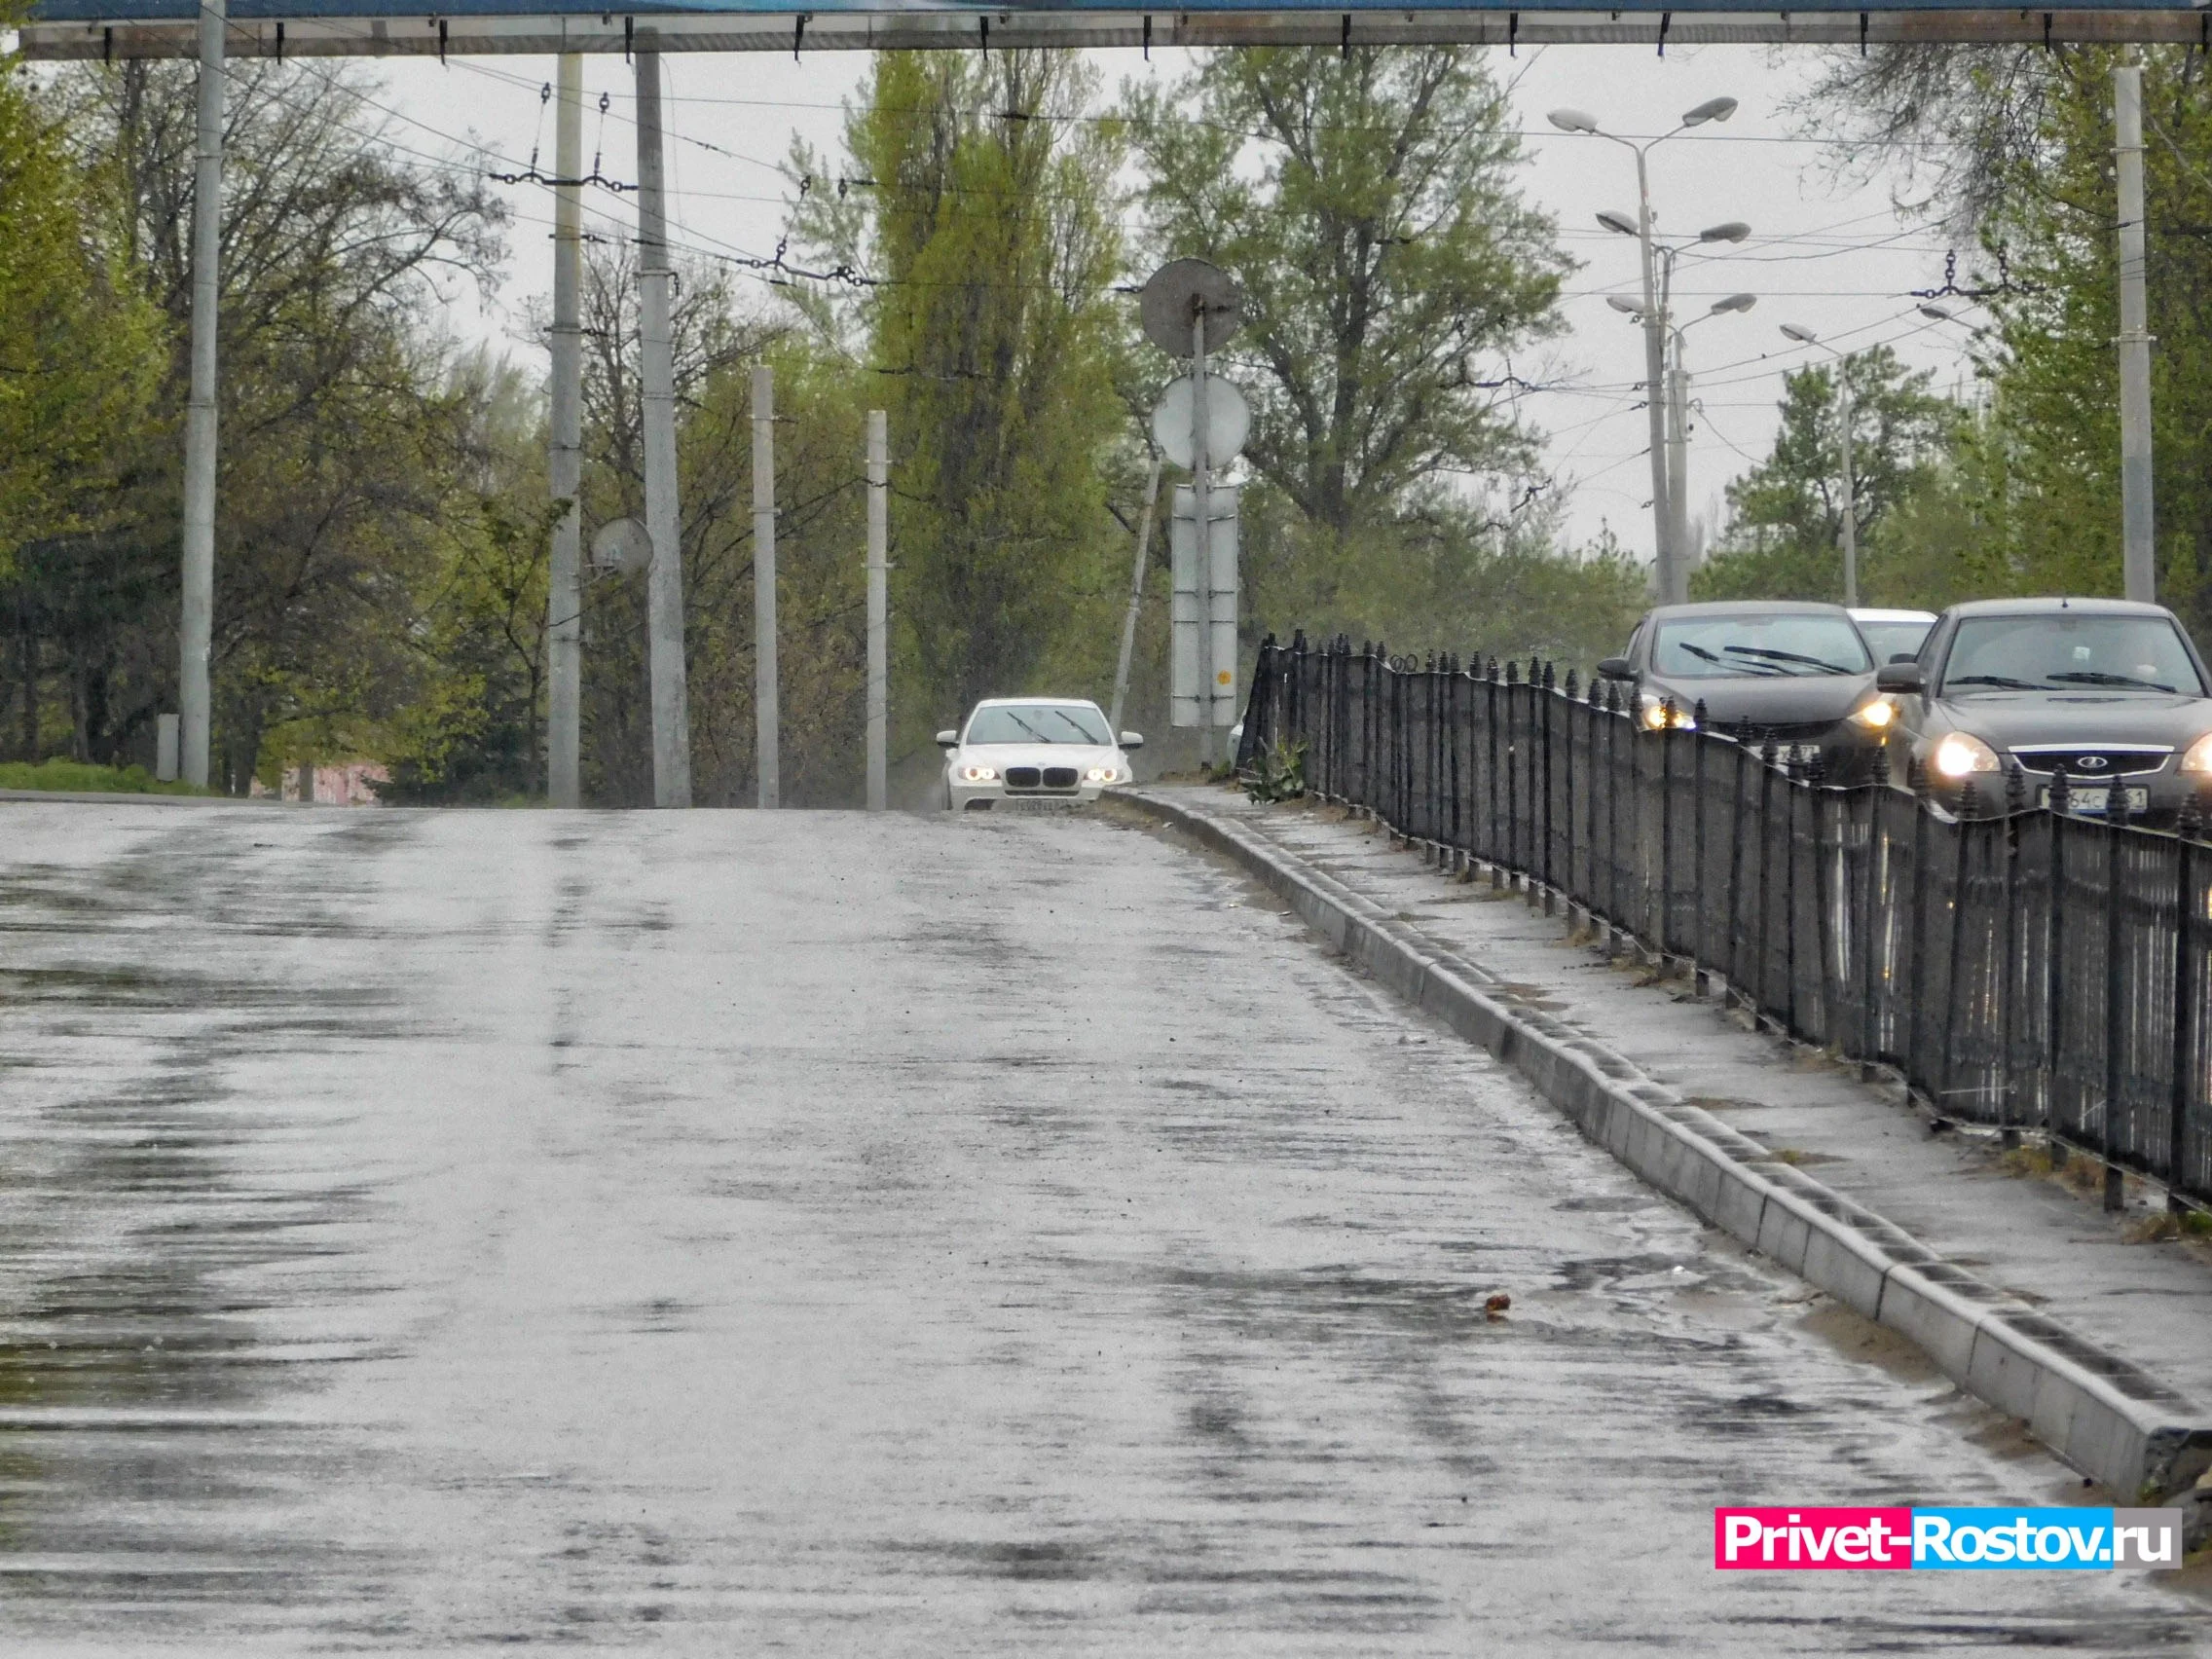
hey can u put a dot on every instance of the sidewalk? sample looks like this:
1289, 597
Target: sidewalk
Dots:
2013, 1245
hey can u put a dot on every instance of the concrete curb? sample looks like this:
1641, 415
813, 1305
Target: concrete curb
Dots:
121, 797
2098, 1412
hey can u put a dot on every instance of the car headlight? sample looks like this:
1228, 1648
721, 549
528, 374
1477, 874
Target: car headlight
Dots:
1875, 716
2198, 757
1103, 775
1657, 715
1960, 755
978, 774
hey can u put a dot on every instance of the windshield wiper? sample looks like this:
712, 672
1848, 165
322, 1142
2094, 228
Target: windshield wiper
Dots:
1768, 654
2097, 677
1701, 651
2002, 682
1076, 726
1027, 726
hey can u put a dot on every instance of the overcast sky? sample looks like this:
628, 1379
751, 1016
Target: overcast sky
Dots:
1833, 257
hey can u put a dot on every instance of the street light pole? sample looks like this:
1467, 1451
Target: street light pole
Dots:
1678, 408
1667, 555
1670, 578
2139, 571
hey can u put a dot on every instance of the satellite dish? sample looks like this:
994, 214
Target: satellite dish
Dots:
620, 545
1229, 420
1171, 300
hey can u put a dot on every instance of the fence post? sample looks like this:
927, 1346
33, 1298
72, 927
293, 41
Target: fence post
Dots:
1947, 1050
2054, 988
2180, 1093
2115, 998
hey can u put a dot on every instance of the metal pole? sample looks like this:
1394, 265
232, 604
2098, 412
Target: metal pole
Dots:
563, 598
1200, 487
1850, 490
2138, 556
878, 610
197, 618
1137, 598
664, 619
764, 586
1666, 576
1678, 464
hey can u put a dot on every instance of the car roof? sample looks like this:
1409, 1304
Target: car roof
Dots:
2057, 606
1860, 613
1747, 608
1036, 703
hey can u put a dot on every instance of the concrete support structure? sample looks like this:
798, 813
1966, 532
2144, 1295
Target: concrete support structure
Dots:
2139, 564
1137, 598
165, 748
878, 610
765, 714
664, 602
196, 613
563, 598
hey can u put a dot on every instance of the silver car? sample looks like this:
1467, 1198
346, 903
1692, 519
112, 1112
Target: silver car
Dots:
1033, 751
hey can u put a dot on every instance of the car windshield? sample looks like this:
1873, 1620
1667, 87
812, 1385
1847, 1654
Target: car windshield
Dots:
1773, 648
1890, 640
2056, 652
1038, 722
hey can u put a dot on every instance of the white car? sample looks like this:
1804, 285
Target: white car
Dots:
1033, 750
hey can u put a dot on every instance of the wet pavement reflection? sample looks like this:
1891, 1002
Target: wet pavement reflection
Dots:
733, 1233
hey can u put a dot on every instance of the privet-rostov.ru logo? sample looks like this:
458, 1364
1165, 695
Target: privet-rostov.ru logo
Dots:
1886, 1539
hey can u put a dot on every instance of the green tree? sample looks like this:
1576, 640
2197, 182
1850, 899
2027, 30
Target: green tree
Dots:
2019, 146
979, 214
1365, 203
1783, 537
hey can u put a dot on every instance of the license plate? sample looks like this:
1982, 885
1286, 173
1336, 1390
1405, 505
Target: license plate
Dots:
2097, 800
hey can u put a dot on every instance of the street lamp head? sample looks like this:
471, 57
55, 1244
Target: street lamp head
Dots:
1573, 120
1619, 303
1624, 223
1734, 230
1801, 334
1935, 313
1712, 109
1735, 302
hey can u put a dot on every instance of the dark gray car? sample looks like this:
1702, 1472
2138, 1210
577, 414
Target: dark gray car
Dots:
1783, 671
2114, 694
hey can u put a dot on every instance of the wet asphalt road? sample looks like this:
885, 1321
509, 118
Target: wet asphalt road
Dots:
742, 1234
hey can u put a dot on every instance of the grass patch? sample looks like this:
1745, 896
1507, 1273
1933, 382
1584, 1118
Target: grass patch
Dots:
2165, 1224
71, 775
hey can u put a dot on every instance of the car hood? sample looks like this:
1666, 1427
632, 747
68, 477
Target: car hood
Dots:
1768, 701
2010, 718
1005, 754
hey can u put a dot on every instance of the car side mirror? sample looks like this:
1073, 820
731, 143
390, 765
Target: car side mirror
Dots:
1616, 668
1899, 677
1132, 740
947, 739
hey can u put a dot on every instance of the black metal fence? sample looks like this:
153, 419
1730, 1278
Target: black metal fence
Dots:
2030, 969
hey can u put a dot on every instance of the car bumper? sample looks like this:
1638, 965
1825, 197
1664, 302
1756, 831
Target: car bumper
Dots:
2153, 798
995, 795
1843, 754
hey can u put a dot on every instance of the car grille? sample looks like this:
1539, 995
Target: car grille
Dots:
1783, 731
2094, 761
1039, 776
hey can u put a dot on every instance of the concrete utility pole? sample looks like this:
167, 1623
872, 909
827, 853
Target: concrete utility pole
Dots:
2139, 564
197, 623
1668, 577
1202, 485
766, 721
1137, 598
878, 610
664, 598
1850, 485
1679, 461
563, 597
